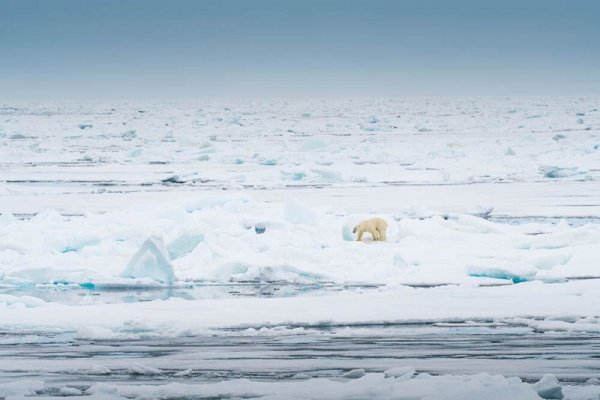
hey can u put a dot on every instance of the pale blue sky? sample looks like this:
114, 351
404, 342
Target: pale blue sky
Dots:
184, 48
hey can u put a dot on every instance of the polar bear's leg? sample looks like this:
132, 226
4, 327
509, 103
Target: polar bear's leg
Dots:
382, 235
359, 238
375, 234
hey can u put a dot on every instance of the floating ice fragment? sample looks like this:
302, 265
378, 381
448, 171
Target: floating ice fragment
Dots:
173, 179
99, 370
186, 372
354, 374
151, 261
548, 387
141, 369
103, 390
401, 373
550, 171
69, 391
269, 161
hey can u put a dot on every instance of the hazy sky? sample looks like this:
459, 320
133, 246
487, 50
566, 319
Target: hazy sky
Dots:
180, 48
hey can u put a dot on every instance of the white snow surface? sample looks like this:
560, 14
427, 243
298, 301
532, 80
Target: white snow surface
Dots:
216, 238
492, 206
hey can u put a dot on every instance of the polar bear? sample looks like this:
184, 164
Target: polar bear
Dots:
375, 226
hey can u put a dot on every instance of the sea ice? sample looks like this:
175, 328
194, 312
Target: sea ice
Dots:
69, 391
184, 244
141, 369
297, 213
402, 373
548, 387
20, 389
151, 261
354, 374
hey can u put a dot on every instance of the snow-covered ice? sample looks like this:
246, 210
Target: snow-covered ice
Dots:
137, 222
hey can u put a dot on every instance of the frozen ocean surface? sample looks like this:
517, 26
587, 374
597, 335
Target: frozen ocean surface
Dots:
205, 249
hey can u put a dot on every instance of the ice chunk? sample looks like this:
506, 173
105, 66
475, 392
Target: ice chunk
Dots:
186, 372
401, 373
354, 374
151, 261
184, 244
141, 369
99, 370
104, 390
173, 179
69, 391
550, 171
548, 387
269, 161
347, 232
95, 332
298, 213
